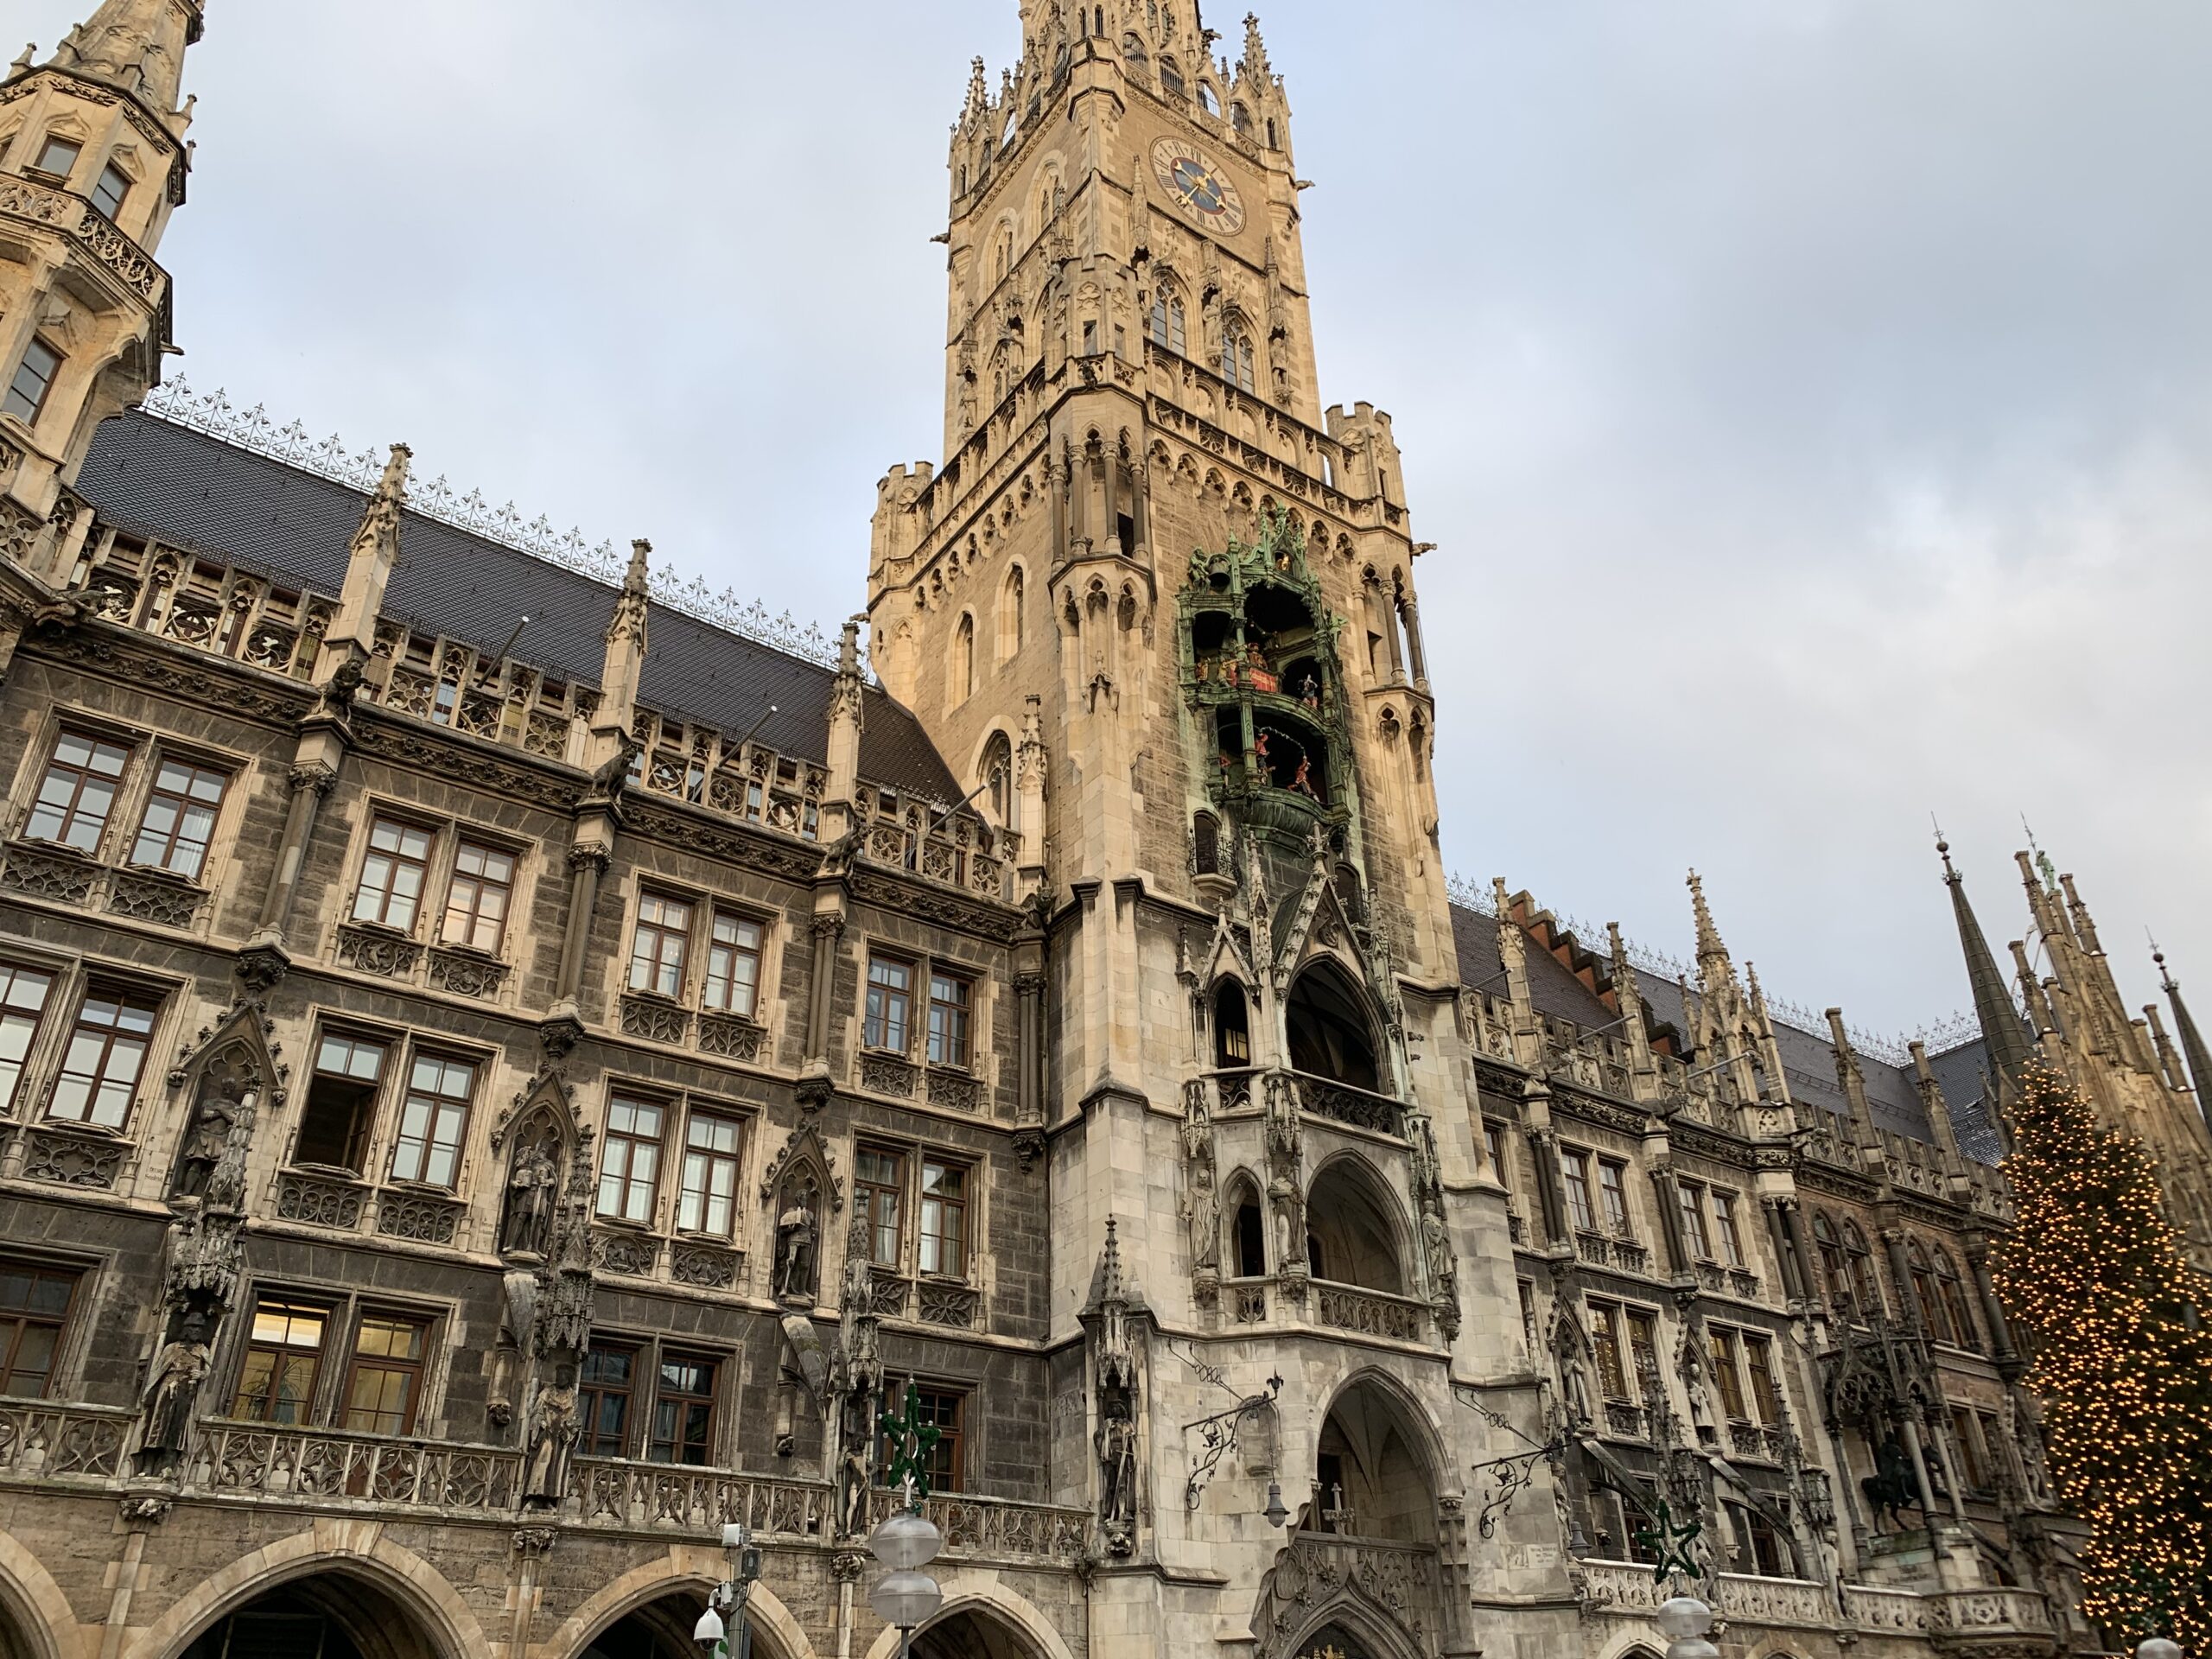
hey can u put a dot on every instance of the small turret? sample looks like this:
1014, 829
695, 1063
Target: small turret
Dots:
2002, 1034
370, 558
135, 46
2192, 1040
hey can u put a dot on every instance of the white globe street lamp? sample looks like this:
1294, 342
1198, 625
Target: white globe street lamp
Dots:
905, 1543
1685, 1620
2157, 1648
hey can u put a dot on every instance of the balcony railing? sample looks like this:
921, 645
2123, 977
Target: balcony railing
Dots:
45, 1440
258, 1459
1340, 1103
1369, 1312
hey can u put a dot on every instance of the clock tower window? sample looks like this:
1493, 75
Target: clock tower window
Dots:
1167, 331
1237, 359
1170, 77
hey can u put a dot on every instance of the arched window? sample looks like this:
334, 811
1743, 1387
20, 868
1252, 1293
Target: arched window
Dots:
1232, 1028
1237, 360
1240, 117
1350, 1235
1923, 1292
1866, 1288
1167, 321
997, 776
1955, 1307
1170, 76
1010, 620
962, 667
1206, 845
1835, 1272
1133, 49
1207, 101
1331, 1036
1250, 1241
1273, 144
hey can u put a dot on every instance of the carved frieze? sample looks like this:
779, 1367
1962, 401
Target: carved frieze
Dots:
320, 1201
162, 900
69, 1159
887, 1074
709, 1266
373, 950
956, 1090
654, 1020
55, 872
949, 1305
418, 1217
465, 973
729, 1038
632, 1255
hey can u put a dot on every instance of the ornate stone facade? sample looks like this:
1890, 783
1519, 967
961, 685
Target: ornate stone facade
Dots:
481, 1118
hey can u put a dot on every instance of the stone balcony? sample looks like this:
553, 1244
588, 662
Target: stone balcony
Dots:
1957, 1620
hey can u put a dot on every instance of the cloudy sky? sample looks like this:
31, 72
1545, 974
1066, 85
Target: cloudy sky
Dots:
1810, 399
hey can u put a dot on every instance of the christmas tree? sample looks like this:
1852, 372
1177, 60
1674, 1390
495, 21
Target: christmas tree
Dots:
2122, 1360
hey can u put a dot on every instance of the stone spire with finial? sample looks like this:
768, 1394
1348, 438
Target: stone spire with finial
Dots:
2192, 1040
2003, 1035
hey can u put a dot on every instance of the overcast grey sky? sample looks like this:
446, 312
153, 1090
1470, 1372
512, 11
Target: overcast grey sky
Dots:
1811, 398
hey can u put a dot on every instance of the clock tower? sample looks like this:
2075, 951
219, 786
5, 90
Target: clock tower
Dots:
1158, 609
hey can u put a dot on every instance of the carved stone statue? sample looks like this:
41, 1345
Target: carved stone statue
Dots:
857, 1435
796, 1248
205, 1142
1116, 1446
526, 1220
225, 1186
1205, 1213
165, 1412
553, 1432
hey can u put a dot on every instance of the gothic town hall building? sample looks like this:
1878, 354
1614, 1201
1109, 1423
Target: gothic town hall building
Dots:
481, 1109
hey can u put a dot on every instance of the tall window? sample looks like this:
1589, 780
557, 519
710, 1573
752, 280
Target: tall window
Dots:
1732, 1235
24, 992
476, 901
708, 1203
1759, 1361
35, 1303
392, 874
603, 1388
945, 1409
1923, 1293
1644, 1351
284, 1353
1865, 1287
879, 1182
111, 188
107, 1053
1494, 1144
661, 944
1726, 1376
1529, 1315
683, 1410
1167, 331
78, 791
964, 659
733, 964
1977, 1467
1614, 1190
1010, 616
434, 1119
1170, 77
950, 1000
180, 819
385, 1383
1604, 1336
1835, 1272
341, 1102
890, 1002
1691, 1198
1955, 1303
1575, 1166
944, 1218
1237, 359
57, 156
630, 1167
33, 379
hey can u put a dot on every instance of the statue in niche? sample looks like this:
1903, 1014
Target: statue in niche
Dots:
1436, 1245
797, 1245
225, 1186
165, 1411
526, 1217
857, 1434
553, 1432
1282, 1195
222, 1102
1116, 1446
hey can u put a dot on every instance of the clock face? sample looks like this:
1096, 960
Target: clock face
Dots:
1196, 184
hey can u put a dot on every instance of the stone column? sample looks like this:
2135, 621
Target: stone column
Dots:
311, 780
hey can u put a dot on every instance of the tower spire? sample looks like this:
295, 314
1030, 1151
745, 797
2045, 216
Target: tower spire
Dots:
2000, 1018
2192, 1040
1708, 937
136, 46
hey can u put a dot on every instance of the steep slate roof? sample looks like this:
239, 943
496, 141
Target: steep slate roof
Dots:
197, 493
1809, 1058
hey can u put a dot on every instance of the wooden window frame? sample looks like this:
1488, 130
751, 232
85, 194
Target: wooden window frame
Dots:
442, 1108
12, 1068
865, 1193
630, 1141
1697, 1237
477, 883
1642, 1327
397, 859
1605, 1320
718, 949
126, 998
1724, 1350
416, 1370
663, 1356
880, 996
657, 964
1575, 1176
1764, 1384
590, 1395
959, 1020
710, 1158
363, 1133
182, 802
952, 1441
80, 775
48, 140
294, 1306
15, 1323
962, 1206
1613, 1198
112, 210
1728, 1229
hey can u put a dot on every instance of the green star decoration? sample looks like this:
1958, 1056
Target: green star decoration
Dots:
911, 1441
1672, 1546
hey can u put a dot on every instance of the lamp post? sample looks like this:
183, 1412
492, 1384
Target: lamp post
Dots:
907, 1541
728, 1599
